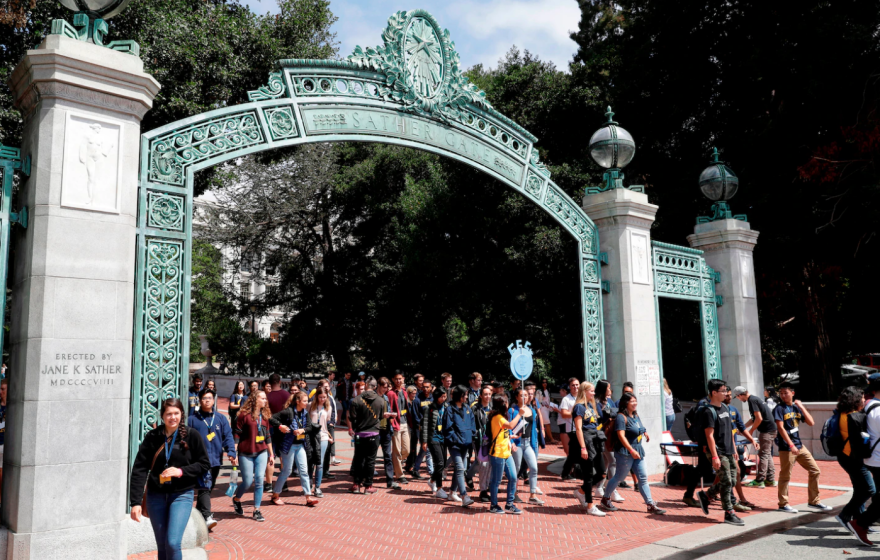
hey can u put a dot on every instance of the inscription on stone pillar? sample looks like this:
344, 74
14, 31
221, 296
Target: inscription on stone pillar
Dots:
641, 272
92, 166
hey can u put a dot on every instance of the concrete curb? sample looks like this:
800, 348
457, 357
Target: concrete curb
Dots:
721, 537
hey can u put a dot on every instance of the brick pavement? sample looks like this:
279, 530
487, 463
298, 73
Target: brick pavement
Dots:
411, 524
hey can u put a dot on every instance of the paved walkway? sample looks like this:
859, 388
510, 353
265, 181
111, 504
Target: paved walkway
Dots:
411, 524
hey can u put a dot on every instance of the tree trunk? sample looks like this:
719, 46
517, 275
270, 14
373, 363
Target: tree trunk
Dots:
820, 364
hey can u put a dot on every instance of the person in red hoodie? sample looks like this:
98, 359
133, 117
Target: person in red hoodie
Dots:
400, 440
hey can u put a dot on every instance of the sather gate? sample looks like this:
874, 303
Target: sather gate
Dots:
410, 92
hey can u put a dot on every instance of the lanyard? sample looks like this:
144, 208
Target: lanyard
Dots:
299, 423
169, 449
213, 418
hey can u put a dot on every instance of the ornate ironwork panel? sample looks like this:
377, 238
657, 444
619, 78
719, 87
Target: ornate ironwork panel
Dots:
682, 273
410, 92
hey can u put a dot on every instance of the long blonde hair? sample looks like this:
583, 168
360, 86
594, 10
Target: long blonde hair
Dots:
582, 395
250, 407
314, 404
666, 387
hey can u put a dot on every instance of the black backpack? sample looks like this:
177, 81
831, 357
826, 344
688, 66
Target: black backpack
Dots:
693, 425
856, 425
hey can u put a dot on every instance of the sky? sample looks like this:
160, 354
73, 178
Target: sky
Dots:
483, 30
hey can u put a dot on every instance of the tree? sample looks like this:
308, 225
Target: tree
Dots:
768, 83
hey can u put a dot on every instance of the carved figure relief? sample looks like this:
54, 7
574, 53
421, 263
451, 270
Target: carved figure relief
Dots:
92, 166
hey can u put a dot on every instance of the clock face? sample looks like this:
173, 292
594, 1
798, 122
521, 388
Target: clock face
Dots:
104, 8
423, 56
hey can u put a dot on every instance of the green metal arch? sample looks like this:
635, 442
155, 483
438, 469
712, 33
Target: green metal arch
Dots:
372, 97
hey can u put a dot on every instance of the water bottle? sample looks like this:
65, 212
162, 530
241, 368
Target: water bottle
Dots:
233, 476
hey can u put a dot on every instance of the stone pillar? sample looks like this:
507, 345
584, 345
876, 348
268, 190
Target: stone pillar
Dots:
624, 219
66, 457
727, 246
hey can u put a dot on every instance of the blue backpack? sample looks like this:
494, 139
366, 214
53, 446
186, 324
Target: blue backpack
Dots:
832, 439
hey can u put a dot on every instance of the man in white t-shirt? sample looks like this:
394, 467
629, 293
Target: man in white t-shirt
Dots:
863, 521
565, 408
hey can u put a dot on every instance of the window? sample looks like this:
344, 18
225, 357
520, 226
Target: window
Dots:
246, 291
273, 332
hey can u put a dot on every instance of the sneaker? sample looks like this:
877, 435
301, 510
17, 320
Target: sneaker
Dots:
600, 491
741, 508
755, 484
536, 501
456, 498
394, 486
593, 510
635, 488
691, 502
616, 497
370, 490
403, 480
607, 505
485, 497
748, 504
787, 509
731, 519
769, 483
653, 509
466, 501
512, 509
470, 485
820, 507
568, 477
859, 532
354, 489
872, 531
581, 498
258, 516
318, 493
416, 476
623, 484
285, 488
496, 509
704, 502
237, 507
433, 486
539, 492
441, 494
517, 499
267, 487
211, 522
329, 476
335, 461
842, 522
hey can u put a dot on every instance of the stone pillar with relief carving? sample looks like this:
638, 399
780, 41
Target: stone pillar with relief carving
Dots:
727, 246
624, 219
66, 455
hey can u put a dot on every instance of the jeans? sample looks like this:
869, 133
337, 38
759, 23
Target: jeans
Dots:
458, 457
385, 437
438, 454
253, 471
670, 420
626, 463
804, 458
863, 486
319, 468
296, 455
502, 467
610, 463
531, 461
203, 495
400, 449
871, 515
766, 469
364, 461
169, 514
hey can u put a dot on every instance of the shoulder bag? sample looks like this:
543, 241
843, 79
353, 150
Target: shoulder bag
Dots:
145, 512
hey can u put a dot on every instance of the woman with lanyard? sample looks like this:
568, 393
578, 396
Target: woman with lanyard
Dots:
432, 439
608, 408
525, 443
254, 450
235, 401
293, 422
499, 455
630, 454
589, 442
169, 463
319, 413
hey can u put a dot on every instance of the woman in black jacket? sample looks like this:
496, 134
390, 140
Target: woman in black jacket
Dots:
169, 462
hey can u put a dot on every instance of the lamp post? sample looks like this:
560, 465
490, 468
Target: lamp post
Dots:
612, 147
719, 183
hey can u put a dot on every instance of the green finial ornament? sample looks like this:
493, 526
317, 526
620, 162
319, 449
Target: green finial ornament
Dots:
90, 25
612, 147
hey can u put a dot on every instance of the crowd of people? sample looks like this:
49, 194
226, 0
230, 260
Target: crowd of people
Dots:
472, 435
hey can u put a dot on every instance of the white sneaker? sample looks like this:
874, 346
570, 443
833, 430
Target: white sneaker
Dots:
600, 491
466, 501
596, 511
616, 497
456, 497
211, 522
335, 461
441, 494
539, 491
581, 498
433, 486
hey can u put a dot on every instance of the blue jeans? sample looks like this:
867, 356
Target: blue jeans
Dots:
169, 514
459, 458
296, 454
319, 468
863, 487
421, 456
253, 471
625, 463
670, 420
526, 452
385, 443
502, 467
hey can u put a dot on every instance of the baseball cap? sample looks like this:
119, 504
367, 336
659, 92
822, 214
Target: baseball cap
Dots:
739, 390
874, 382
361, 373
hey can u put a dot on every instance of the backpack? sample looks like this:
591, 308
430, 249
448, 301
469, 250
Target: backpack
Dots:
860, 446
832, 439
693, 425
676, 475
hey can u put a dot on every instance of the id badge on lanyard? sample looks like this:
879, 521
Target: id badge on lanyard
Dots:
260, 437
